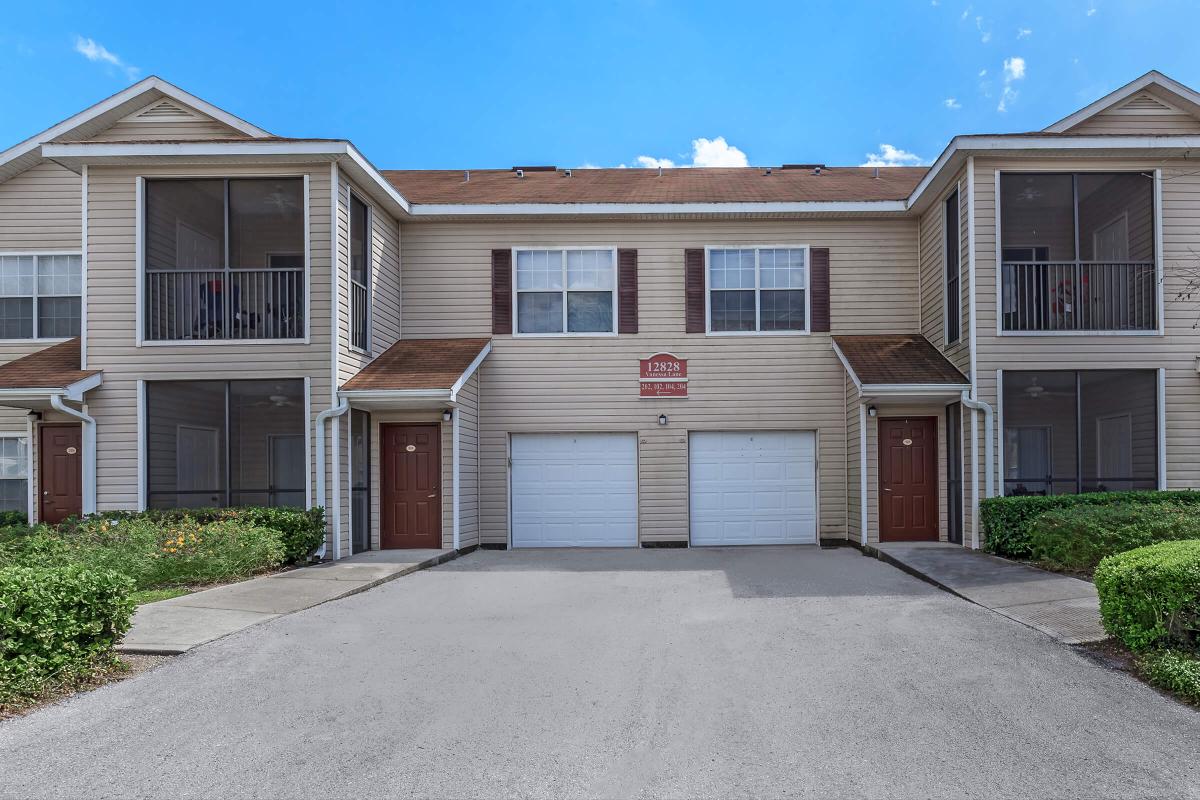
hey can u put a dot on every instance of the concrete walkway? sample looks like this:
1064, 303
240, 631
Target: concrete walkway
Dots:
174, 626
1060, 606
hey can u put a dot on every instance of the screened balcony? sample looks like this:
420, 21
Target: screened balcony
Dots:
1077, 252
224, 259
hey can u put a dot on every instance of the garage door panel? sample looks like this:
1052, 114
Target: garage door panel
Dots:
752, 487
574, 490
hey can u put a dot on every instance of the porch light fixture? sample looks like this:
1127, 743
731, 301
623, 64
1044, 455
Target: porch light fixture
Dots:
662, 419
871, 411
447, 415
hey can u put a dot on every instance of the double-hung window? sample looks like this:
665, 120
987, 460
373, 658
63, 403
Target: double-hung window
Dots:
758, 290
14, 473
40, 296
566, 291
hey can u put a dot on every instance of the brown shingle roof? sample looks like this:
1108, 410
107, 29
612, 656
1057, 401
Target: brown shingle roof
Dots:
56, 367
897, 359
691, 185
418, 364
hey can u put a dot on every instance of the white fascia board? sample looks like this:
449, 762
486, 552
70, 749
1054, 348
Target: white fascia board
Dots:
1152, 78
565, 209
343, 151
468, 372
961, 146
152, 83
914, 389
849, 369
397, 398
76, 390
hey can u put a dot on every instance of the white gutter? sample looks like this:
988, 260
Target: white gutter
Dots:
559, 209
335, 411
468, 372
89, 451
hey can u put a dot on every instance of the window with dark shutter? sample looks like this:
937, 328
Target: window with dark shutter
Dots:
502, 291
627, 291
693, 289
951, 297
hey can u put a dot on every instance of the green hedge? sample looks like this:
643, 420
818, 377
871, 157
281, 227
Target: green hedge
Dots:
1007, 520
1174, 671
1078, 538
302, 531
1150, 597
11, 518
57, 624
152, 553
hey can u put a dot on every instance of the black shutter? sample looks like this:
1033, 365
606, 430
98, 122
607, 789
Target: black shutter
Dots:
627, 291
693, 289
818, 286
502, 291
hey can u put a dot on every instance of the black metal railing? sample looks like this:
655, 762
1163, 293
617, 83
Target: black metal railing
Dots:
358, 315
1079, 296
224, 304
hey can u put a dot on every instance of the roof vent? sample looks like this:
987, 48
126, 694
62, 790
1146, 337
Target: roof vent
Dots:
520, 172
875, 173
768, 172
567, 173
814, 167
467, 176
817, 170
660, 171
535, 169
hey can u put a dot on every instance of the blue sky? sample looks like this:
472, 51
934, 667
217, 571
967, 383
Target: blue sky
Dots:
451, 85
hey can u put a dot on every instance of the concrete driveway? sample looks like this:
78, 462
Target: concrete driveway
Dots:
753, 672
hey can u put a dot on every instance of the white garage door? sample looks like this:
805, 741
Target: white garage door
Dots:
756, 487
574, 490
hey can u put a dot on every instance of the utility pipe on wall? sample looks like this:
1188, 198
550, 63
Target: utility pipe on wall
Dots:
336, 411
89, 451
988, 455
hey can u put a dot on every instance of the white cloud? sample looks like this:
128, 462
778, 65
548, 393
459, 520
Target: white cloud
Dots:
1014, 70
649, 162
952, 103
94, 51
705, 153
889, 156
1024, 33
1091, 12
982, 73
717, 153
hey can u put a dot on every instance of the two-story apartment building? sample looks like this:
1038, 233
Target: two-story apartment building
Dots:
195, 312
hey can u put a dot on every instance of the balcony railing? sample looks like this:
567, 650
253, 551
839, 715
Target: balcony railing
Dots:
224, 304
1078, 296
358, 315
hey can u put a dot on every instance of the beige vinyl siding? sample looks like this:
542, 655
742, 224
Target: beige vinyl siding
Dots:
854, 498
1175, 352
581, 384
933, 276
166, 119
384, 281
40, 210
1141, 114
111, 334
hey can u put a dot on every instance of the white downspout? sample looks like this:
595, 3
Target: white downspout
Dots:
862, 470
336, 411
988, 467
89, 451
454, 461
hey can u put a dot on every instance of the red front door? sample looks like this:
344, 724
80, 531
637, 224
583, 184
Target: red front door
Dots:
410, 502
908, 491
60, 472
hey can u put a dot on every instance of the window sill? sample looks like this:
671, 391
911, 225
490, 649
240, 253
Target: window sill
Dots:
58, 340
1041, 334
589, 335
722, 334
216, 342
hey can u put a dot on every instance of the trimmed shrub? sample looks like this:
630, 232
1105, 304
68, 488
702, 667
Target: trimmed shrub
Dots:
1079, 538
152, 553
10, 518
301, 530
58, 624
1150, 597
1006, 520
1174, 671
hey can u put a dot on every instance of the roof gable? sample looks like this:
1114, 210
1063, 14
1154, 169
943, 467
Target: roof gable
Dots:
119, 108
1153, 104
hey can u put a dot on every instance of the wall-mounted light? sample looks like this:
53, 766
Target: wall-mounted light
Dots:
662, 419
447, 415
871, 411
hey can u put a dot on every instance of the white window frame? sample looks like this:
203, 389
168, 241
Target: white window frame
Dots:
368, 334
757, 248
139, 246
564, 249
28, 453
958, 338
36, 255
